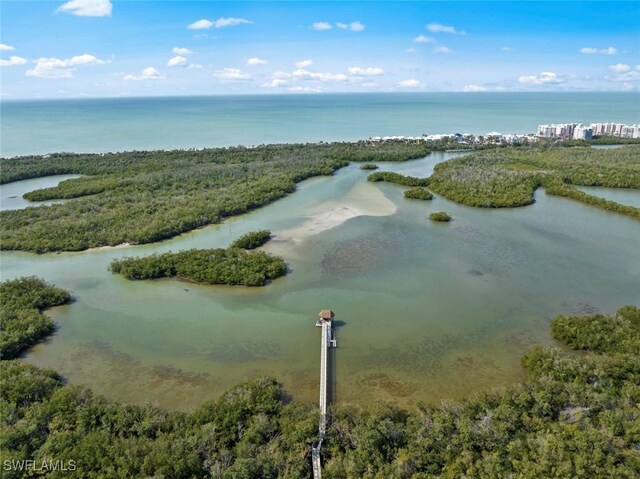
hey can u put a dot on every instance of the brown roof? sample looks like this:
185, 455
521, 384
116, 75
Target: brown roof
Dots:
326, 314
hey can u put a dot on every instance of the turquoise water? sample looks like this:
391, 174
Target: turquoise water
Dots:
99, 125
425, 311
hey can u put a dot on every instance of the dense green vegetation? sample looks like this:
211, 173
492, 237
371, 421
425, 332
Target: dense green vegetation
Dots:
231, 266
595, 141
142, 197
418, 194
246, 433
574, 415
508, 177
22, 323
368, 166
613, 140
440, 216
620, 333
252, 240
397, 178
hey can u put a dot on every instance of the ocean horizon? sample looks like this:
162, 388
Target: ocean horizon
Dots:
98, 125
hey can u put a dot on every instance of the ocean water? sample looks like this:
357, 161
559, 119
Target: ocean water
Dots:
101, 125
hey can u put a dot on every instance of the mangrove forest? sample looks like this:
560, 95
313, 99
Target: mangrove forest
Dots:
146, 196
508, 177
230, 266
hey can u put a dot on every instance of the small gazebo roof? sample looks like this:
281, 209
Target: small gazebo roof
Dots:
326, 314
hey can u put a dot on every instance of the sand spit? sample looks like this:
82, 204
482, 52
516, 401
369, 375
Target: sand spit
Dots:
363, 199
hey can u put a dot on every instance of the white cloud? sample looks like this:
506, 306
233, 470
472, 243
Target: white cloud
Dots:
353, 26
424, 39
439, 28
321, 26
12, 61
87, 8
369, 71
280, 74
620, 68
85, 59
506, 49
625, 74
223, 22
318, 76
202, 24
304, 63
229, 75
410, 84
148, 73
57, 68
305, 89
276, 83
442, 50
473, 88
255, 61
599, 51
411, 50
194, 66
177, 61
6, 48
545, 78
181, 51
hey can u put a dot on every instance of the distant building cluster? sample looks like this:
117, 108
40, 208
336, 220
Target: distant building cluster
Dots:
562, 131
578, 131
465, 138
616, 129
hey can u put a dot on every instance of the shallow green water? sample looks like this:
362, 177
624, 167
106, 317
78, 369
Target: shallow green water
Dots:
426, 311
11, 196
619, 195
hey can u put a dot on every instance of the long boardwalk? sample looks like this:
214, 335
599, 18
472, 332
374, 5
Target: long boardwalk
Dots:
326, 342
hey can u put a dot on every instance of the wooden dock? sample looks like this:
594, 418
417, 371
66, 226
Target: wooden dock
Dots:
327, 340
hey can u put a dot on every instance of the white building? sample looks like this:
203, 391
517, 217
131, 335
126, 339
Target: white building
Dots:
582, 132
630, 131
561, 130
546, 131
612, 129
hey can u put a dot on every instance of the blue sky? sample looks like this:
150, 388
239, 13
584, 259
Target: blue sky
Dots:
103, 48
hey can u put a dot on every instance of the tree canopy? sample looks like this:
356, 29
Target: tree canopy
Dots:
397, 178
230, 266
418, 194
508, 177
21, 321
252, 240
